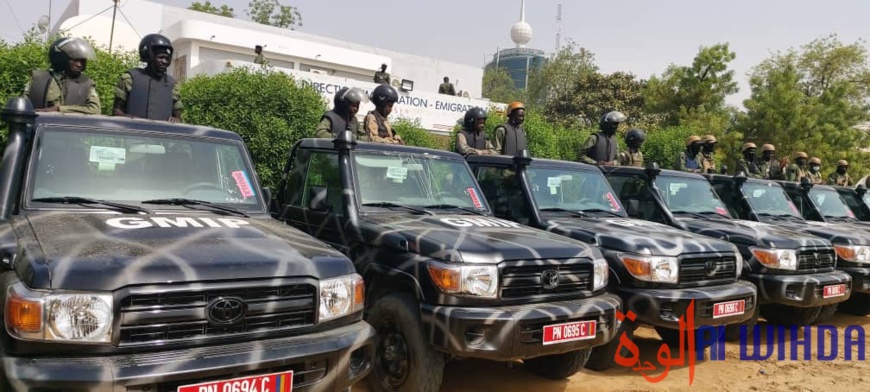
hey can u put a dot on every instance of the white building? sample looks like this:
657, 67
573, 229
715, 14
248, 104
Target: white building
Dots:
209, 44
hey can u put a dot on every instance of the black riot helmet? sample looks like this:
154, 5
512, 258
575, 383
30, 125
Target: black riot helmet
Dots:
472, 115
152, 43
610, 122
63, 50
347, 96
383, 94
634, 137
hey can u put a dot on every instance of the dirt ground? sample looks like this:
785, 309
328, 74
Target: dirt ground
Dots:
732, 374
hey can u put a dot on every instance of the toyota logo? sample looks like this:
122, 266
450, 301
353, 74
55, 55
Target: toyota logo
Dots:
711, 267
226, 310
550, 279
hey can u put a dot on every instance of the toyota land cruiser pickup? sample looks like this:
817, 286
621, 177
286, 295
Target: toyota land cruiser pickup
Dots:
140, 256
813, 209
656, 269
445, 278
792, 271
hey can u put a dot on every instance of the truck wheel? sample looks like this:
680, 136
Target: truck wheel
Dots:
404, 361
858, 304
558, 366
826, 313
602, 357
789, 315
732, 332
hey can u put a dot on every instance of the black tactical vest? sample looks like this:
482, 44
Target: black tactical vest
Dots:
74, 90
604, 150
474, 140
514, 139
339, 124
150, 97
382, 126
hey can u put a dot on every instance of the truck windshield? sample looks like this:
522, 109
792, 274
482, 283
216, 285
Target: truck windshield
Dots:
576, 190
830, 204
136, 166
689, 195
417, 180
769, 198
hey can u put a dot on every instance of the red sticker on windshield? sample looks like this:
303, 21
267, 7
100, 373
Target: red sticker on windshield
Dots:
793, 208
721, 211
474, 199
243, 183
851, 215
612, 201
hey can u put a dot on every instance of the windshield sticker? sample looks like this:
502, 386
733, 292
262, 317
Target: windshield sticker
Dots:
793, 208
721, 211
397, 173
676, 186
553, 183
613, 204
474, 199
100, 154
479, 222
243, 183
851, 215
183, 222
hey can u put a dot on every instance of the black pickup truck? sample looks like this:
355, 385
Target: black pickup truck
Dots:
793, 271
656, 269
444, 277
814, 209
140, 256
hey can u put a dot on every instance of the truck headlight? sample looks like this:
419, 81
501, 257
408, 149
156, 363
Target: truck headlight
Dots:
79, 317
472, 280
601, 273
776, 258
341, 296
854, 253
738, 261
651, 268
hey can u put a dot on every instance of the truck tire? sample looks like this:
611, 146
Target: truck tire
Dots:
558, 366
789, 315
826, 313
858, 304
404, 361
732, 332
602, 357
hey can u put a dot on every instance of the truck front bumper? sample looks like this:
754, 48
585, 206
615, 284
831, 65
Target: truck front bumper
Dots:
516, 332
326, 361
664, 307
801, 291
860, 278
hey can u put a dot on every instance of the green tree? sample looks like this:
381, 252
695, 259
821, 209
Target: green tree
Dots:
695, 94
208, 8
271, 12
552, 86
596, 94
498, 86
811, 100
267, 108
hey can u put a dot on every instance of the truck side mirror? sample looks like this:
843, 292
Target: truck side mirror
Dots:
632, 207
318, 199
723, 169
861, 189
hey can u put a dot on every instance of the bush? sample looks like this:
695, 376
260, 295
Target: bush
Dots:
663, 145
414, 135
266, 108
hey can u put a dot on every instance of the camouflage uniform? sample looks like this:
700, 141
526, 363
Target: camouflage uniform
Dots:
626, 158
382, 77
795, 173
836, 179
54, 97
815, 178
447, 88
771, 170
260, 59
370, 131
125, 85
707, 162
684, 163
751, 170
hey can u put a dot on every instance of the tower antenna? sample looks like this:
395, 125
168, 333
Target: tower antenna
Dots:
558, 27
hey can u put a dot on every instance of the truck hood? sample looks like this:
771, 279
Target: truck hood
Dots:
837, 233
751, 233
109, 251
635, 235
470, 238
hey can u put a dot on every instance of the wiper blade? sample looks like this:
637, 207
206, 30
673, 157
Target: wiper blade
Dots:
386, 204
84, 200
451, 206
195, 202
603, 211
557, 209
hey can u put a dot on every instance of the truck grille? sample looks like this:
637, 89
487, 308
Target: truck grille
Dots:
179, 315
815, 259
708, 269
521, 281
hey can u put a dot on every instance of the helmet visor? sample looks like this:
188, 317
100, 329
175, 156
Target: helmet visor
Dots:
355, 95
77, 49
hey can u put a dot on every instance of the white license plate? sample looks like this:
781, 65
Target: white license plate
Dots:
569, 332
837, 290
275, 382
730, 308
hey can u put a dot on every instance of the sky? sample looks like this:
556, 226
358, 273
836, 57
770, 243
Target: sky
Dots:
638, 36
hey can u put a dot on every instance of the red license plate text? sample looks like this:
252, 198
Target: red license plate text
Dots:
837, 290
275, 382
569, 332
731, 308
